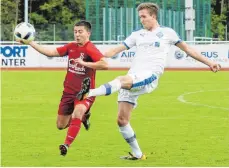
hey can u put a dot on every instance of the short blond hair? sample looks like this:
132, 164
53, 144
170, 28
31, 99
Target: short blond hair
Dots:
151, 7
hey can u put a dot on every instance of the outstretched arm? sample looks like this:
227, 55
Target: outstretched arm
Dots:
113, 51
196, 55
50, 52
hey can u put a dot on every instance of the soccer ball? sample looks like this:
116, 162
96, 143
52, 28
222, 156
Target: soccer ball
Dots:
24, 32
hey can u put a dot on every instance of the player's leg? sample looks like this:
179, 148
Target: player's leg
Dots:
75, 124
65, 110
125, 109
115, 85
63, 121
86, 121
85, 86
143, 83
79, 111
126, 103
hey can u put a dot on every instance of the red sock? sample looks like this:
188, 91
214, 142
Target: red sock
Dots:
73, 130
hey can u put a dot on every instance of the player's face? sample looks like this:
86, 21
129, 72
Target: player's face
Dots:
81, 35
146, 19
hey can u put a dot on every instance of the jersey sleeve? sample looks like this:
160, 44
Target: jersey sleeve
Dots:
174, 37
94, 53
63, 50
130, 41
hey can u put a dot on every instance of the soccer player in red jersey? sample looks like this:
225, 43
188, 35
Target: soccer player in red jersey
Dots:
72, 110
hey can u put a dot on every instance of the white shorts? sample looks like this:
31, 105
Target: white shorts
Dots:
142, 84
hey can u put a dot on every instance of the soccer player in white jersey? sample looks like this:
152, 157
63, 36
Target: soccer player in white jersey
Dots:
152, 45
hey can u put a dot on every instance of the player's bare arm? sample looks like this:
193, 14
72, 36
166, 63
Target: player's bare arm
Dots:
196, 55
50, 52
101, 64
113, 51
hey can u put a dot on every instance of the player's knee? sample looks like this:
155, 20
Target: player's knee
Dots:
61, 126
122, 121
126, 81
78, 113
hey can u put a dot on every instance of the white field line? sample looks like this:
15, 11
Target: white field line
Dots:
182, 99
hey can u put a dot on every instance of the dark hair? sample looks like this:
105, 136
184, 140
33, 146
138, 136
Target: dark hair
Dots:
84, 23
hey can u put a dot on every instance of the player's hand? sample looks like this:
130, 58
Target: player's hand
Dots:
215, 67
21, 41
79, 61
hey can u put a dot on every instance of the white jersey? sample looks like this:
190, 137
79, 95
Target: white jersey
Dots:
152, 48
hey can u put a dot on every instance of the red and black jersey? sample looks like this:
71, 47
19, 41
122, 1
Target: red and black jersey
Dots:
76, 72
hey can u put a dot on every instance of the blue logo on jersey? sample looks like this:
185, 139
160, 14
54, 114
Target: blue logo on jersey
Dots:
159, 34
157, 44
178, 54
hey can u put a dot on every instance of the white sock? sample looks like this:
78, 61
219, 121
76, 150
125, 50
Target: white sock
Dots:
106, 89
128, 134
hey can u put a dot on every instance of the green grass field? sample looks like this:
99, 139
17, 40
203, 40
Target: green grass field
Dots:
170, 132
